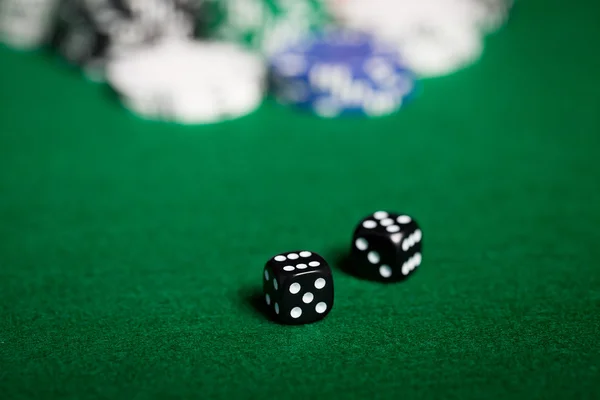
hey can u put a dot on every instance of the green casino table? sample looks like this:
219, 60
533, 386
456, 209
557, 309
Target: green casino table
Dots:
131, 252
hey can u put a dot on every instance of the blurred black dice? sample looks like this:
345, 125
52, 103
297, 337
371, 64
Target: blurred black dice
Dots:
386, 247
298, 287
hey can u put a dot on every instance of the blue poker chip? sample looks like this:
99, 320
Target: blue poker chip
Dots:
340, 72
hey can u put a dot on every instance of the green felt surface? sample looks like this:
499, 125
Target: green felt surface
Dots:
131, 252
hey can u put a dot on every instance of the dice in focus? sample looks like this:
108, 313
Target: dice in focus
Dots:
298, 287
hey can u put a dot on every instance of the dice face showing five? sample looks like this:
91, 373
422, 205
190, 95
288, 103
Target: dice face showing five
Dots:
386, 247
298, 287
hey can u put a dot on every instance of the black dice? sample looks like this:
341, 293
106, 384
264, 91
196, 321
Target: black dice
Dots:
298, 287
386, 247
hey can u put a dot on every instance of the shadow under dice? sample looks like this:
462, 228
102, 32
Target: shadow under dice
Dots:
386, 247
298, 287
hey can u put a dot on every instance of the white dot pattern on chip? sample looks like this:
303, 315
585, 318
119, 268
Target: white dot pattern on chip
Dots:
292, 256
380, 70
353, 93
314, 263
373, 257
291, 65
295, 288
403, 219
296, 312
387, 222
280, 258
288, 268
321, 307
268, 299
369, 224
393, 228
380, 215
330, 76
308, 297
275, 285
381, 104
276, 308
305, 254
301, 266
266, 275
326, 107
361, 244
320, 283
385, 271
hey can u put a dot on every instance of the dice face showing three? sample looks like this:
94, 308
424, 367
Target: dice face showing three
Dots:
298, 287
386, 247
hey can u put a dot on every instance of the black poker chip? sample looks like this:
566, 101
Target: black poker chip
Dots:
89, 32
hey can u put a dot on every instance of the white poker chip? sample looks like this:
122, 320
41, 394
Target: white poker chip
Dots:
490, 15
440, 49
189, 82
26, 24
482, 14
434, 37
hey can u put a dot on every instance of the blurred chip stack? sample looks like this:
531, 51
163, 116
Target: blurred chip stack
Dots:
265, 25
201, 61
91, 32
340, 72
26, 24
189, 82
435, 37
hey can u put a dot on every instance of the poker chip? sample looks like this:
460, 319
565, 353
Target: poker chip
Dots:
341, 72
265, 26
89, 33
434, 37
489, 15
189, 82
26, 24
440, 49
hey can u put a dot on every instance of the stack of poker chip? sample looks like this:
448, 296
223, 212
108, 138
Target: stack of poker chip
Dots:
435, 37
26, 24
183, 61
340, 72
265, 26
90, 33
148, 53
204, 61
189, 82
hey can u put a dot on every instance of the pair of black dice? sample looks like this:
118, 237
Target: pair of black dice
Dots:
298, 285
